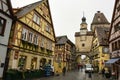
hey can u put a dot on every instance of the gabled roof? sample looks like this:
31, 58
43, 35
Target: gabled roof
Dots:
10, 7
99, 18
102, 34
24, 10
63, 40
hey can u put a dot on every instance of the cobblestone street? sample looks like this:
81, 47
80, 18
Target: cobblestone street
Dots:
74, 75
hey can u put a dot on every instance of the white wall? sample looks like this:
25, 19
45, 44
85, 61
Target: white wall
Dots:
4, 42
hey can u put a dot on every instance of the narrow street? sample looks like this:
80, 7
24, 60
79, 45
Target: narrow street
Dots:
74, 75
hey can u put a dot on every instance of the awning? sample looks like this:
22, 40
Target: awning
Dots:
112, 61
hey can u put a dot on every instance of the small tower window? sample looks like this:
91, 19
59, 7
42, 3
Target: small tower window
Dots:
99, 18
83, 45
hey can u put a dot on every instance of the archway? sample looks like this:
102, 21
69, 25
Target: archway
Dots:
82, 61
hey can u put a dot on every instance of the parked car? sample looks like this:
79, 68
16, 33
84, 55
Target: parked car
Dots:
89, 68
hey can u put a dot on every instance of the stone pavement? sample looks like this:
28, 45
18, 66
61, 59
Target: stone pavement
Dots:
74, 75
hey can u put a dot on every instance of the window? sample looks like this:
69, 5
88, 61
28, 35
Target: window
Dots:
36, 39
36, 19
2, 25
119, 44
50, 45
24, 34
83, 45
112, 46
42, 42
47, 29
99, 18
116, 47
22, 62
117, 27
30, 39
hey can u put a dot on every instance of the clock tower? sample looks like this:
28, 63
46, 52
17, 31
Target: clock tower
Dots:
83, 39
83, 26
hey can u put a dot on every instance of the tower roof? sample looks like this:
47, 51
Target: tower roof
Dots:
99, 18
83, 19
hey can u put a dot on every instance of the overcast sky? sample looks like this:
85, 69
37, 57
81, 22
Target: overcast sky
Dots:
67, 14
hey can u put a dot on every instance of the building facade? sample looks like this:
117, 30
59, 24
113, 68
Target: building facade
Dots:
64, 54
114, 41
100, 47
32, 39
6, 15
83, 39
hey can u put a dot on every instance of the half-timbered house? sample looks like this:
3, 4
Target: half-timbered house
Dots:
114, 41
33, 38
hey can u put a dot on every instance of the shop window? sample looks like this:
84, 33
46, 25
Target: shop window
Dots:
22, 62
33, 63
42, 62
2, 25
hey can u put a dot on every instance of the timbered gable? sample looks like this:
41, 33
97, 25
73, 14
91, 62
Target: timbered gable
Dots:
37, 16
115, 24
5, 7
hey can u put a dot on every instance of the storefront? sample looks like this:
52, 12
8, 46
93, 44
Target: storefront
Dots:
114, 64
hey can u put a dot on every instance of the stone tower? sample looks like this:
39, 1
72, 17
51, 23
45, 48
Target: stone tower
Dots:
99, 20
83, 39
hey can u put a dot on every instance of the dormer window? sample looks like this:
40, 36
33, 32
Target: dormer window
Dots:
36, 19
2, 25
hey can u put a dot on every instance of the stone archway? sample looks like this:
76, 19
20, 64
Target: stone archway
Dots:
87, 54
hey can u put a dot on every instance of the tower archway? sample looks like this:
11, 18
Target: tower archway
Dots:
85, 60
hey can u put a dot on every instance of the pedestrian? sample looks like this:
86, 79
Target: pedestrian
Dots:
103, 72
81, 68
64, 71
107, 74
52, 70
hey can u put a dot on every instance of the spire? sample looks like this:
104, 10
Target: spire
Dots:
83, 18
83, 25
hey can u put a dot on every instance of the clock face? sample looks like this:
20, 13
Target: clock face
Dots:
106, 50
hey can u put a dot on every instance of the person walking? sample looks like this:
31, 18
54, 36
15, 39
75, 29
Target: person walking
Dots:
64, 71
103, 72
107, 74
